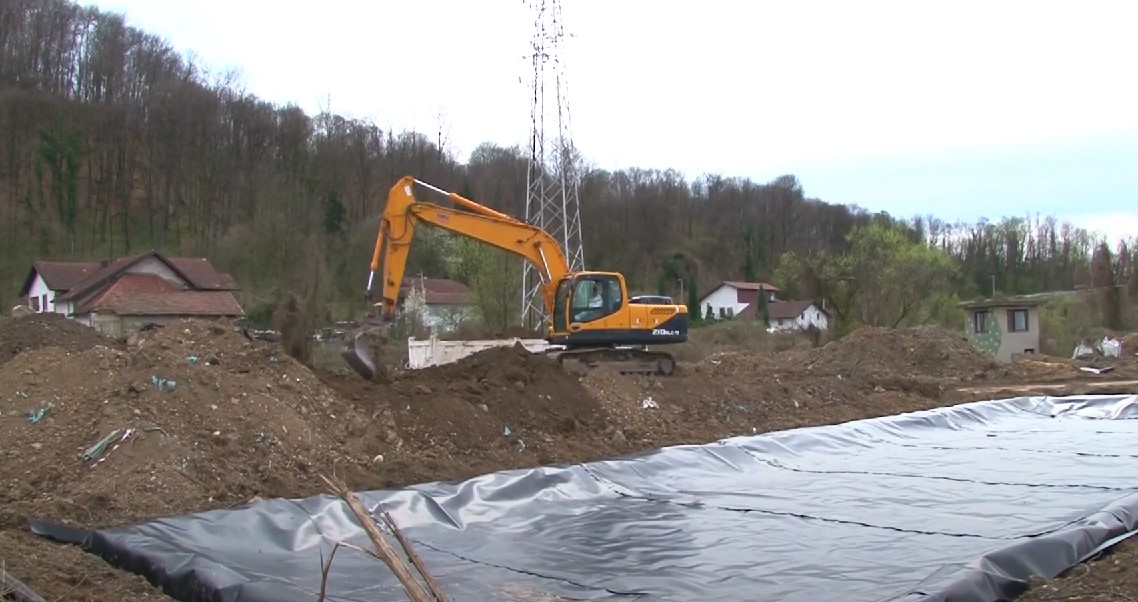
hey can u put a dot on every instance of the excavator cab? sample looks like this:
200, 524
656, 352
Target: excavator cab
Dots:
593, 309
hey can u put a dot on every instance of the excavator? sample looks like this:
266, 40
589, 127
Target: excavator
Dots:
594, 322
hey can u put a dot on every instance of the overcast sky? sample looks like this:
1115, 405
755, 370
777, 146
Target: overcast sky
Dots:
962, 110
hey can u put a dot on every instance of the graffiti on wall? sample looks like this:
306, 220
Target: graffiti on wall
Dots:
988, 342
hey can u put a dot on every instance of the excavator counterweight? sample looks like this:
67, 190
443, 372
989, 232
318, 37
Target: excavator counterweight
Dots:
594, 321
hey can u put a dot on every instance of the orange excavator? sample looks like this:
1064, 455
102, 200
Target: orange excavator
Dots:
591, 321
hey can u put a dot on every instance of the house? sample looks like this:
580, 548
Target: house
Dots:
1006, 328
128, 293
790, 315
731, 297
446, 303
47, 279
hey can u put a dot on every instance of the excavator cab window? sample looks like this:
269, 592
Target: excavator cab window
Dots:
561, 306
595, 297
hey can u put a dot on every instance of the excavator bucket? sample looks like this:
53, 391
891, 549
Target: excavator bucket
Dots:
358, 355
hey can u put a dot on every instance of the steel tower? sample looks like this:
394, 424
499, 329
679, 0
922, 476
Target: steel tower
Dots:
553, 178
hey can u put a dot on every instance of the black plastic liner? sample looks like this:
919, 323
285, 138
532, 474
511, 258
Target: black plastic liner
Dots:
959, 504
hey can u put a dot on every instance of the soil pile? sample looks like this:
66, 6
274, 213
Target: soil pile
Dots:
926, 351
909, 359
732, 393
47, 330
188, 417
500, 408
203, 418
1042, 369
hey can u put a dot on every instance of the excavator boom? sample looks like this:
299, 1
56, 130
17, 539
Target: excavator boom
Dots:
397, 228
584, 339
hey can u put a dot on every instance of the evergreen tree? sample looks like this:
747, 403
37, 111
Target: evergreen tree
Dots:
763, 312
750, 269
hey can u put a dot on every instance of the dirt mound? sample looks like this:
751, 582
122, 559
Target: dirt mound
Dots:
881, 353
869, 355
528, 393
203, 418
187, 418
1042, 369
47, 330
503, 407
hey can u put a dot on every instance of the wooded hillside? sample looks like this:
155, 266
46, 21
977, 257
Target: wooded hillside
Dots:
111, 142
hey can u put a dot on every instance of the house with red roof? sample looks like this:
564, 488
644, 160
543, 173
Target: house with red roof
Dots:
733, 299
786, 316
446, 303
125, 294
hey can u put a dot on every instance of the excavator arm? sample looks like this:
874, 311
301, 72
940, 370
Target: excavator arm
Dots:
470, 219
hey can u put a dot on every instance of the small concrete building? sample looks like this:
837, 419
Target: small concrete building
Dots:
1007, 327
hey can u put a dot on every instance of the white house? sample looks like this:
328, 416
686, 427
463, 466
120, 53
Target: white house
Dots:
786, 316
731, 297
50, 279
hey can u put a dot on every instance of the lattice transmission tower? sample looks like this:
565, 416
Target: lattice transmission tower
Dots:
552, 182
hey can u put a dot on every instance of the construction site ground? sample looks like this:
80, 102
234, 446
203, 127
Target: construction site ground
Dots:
220, 420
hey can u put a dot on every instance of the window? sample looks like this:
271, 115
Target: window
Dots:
1017, 320
980, 321
595, 297
561, 306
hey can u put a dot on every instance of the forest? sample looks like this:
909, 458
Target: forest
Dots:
111, 142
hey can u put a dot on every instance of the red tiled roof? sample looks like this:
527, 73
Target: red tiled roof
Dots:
198, 272
59, 275
152, 295
126, 286
439, 291
202, 275
752, 286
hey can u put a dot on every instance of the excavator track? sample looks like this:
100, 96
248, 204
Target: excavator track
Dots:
625, 360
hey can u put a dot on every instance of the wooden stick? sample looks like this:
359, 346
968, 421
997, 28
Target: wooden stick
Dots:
416, 560
11, 586
387, 553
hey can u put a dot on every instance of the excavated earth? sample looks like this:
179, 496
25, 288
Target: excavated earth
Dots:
216, 420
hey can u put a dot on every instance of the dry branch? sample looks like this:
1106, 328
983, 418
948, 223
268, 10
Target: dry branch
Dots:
325, 567
416, 560
13, 588
385, 552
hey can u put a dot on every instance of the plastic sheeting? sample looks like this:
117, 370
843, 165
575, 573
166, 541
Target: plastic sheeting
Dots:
956, 504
